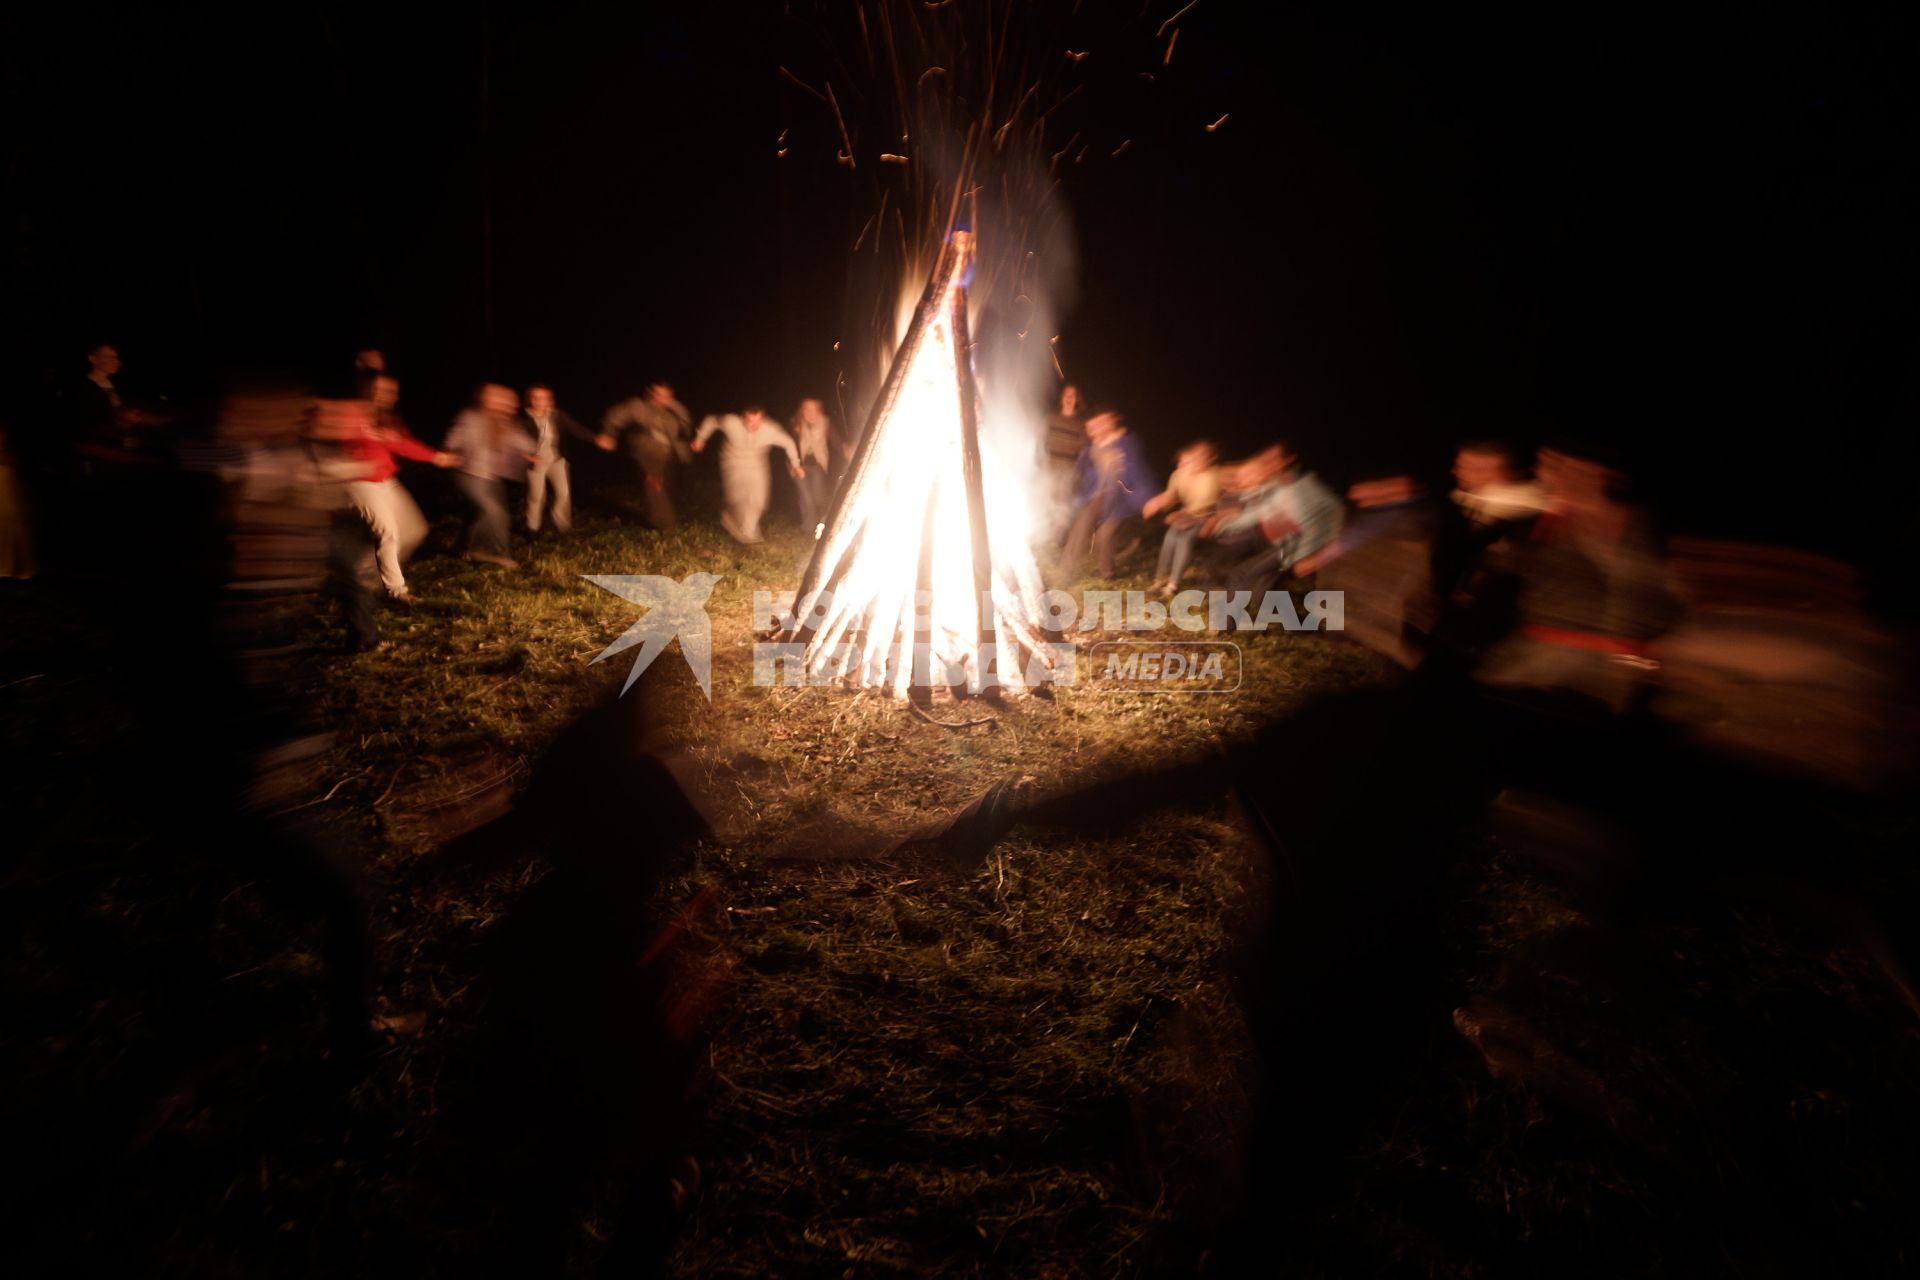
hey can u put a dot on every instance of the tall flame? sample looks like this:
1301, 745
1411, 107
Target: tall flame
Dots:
923, 572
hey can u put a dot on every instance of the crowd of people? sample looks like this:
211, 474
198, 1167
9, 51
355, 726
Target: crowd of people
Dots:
75, 485
1540, 575
1544, 577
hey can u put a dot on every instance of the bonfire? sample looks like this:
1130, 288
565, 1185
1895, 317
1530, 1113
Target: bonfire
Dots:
922, 576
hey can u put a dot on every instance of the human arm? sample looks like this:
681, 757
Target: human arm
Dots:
781, 440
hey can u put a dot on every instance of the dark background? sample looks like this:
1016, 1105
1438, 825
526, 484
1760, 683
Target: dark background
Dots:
1688, 238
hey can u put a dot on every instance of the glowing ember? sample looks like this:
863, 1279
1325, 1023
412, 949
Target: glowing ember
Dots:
905, 561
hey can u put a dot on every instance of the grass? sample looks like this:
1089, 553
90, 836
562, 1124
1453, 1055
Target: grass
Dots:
1037, 1066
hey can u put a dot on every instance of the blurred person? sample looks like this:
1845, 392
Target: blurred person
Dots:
1066, 440
1490, 487
336, 433
108, 423
551, 427
1380, 562
383, 502
1189, 498
746, 479
1113, 483
1492, 505
1294, 514
111, 500
1591, 590
493, 449
817, 440
368, 363
656, 428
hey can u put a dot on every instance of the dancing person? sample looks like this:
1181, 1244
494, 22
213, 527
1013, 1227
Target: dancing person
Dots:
1066, 440
547, 423
746, 480
1295, 515
1114, 483
655, 426
816, 438
1189, 498
382, 501
1592, 589
493, 449
1492, 507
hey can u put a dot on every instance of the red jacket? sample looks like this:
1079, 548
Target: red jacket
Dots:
377, 456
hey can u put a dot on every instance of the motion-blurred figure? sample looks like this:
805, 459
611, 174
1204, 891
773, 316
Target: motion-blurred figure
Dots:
551, 427
656, 427
1285, 515
383, 502
337, 433
816, 438
1592, 590
745, 477
1189, 498
1490, 512
1113, 483
1066, 440
1381, 562
493, 449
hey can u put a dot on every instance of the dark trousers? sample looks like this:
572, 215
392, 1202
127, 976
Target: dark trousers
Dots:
816, 491
488, 532
1094, 533
654, 456
1256, 573
352, 575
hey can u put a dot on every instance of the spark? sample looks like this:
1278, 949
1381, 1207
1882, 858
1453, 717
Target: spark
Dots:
1168, 60
1053, 349
846, 143
888, 157
1122, 148
801, 83
1217, 123
1077, 57
1175, 18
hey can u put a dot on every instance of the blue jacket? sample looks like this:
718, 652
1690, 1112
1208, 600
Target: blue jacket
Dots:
1132, 483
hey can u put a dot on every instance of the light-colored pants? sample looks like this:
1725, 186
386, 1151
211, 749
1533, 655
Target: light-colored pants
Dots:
539, 476
747, 483
1176, 552
398, 527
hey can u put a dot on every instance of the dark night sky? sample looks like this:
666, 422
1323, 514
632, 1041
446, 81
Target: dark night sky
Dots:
1688, 237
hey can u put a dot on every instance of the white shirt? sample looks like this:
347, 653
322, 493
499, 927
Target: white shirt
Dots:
744, 443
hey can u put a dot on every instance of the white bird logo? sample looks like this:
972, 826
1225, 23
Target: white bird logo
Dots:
672, 609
